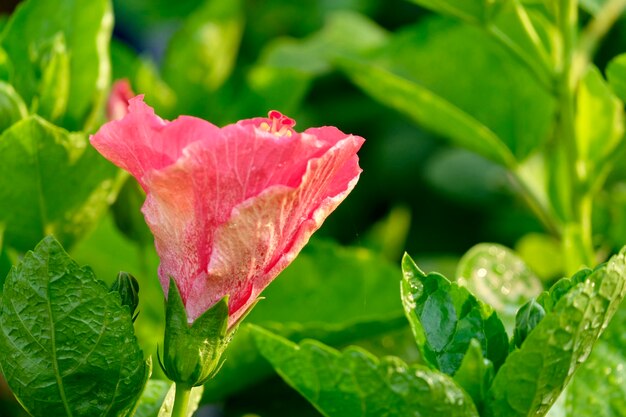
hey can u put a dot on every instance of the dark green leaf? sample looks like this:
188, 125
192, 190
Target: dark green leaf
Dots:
498, 277
355, 383
86, 26
69, 184
445, 318
533, 377
68, 344
475, 374
335, 294
12, 107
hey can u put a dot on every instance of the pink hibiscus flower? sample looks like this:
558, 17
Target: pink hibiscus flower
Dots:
229, 207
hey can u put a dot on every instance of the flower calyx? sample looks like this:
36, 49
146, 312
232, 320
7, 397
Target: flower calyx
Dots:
192, 351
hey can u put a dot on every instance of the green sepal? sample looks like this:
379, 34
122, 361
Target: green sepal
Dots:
192, 352
127, 286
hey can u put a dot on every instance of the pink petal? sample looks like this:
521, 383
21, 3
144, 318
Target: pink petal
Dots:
142, 141
265, 233
287, 186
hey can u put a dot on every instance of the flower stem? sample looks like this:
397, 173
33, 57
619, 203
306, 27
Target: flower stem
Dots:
181, 401
593, 33
577, 244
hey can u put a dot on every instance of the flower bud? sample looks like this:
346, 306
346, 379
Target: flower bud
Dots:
526, 319
128, 288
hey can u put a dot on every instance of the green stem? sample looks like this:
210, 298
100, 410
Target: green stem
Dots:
181, 401
579, 216
593, 33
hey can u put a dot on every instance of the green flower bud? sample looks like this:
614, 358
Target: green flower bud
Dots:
526, 319
128, 288
192, 351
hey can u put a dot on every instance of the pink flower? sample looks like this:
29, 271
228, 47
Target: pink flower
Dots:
117, 103
230, 208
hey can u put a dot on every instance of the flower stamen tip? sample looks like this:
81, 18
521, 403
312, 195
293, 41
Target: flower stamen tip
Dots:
278, 124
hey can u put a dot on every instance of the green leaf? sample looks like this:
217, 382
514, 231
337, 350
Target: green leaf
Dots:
65, 339
468, 107
331, 293
69, 184
53, 92
286, 68
168, 405
598, 389
532, 377
445, 318
616, 74
355, 383
474, 11
475, 374
428, 110
498, 277
12, 107
152, 398
599, 123
201, 55
86, 26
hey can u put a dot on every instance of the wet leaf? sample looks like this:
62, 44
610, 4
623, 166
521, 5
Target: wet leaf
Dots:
446, 317
355, 383
65, 338
534, 376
